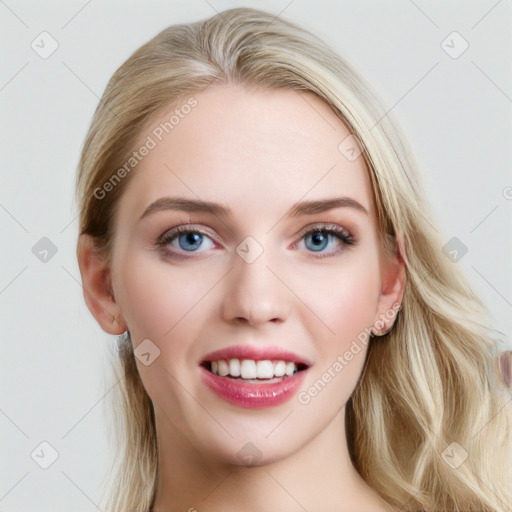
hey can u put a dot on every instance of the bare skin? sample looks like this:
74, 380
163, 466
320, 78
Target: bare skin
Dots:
258, 153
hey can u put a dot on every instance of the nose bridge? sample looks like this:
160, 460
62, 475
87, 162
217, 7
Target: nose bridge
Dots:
254, 293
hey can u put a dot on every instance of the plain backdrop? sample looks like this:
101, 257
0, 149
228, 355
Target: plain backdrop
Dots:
455, 109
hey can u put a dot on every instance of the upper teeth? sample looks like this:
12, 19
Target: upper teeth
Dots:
250, 369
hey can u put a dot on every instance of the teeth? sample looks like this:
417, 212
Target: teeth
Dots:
234, 367
290, 368
279, 368
250, 369
223, 368
265, 369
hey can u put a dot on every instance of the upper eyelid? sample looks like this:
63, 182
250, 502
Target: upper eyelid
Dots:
323, 226
172, 232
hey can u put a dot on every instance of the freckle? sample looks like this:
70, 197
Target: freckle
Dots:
504, 368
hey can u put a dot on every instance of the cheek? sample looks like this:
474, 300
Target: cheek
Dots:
346, 304
345, 301
167, 304
161, 302
156, 296
352, 307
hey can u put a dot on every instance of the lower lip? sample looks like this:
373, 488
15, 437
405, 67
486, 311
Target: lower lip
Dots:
253, 396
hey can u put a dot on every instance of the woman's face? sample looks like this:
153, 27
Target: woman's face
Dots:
246, 289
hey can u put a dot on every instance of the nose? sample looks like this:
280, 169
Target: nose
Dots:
254, 295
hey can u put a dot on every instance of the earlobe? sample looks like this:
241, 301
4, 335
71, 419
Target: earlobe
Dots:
96, 285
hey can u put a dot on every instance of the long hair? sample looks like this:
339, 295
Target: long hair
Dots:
428, 426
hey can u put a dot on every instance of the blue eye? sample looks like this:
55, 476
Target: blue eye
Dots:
321, 237
319, 240
190, 241
185, 239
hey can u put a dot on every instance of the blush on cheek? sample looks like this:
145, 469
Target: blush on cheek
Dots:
349, 308
157, 295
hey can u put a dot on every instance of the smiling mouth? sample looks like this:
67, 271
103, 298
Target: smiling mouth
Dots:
254, 371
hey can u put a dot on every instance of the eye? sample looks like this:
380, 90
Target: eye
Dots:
186, 239
324, 236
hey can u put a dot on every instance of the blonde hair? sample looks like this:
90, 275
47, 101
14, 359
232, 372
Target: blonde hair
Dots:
427, 384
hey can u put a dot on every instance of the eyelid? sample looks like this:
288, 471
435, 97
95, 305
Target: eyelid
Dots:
184, 227
324, 226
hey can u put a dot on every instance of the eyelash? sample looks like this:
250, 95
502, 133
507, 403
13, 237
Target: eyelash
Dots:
342, 234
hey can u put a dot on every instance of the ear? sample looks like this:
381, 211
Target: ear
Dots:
392, 288
97, 287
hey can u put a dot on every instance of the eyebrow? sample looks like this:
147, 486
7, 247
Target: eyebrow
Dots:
200, 206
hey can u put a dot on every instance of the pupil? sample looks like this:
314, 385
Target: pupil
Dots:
319, 240
192, 240
318, 237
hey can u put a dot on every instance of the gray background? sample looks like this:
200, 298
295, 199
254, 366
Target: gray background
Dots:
456, 113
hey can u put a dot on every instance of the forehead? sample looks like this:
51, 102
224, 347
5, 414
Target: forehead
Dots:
274, 147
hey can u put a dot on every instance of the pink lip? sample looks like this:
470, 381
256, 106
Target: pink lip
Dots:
252, 396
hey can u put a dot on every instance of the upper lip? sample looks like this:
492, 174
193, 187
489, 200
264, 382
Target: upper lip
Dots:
255, 353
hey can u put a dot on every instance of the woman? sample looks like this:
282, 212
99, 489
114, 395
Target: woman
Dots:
292, 336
